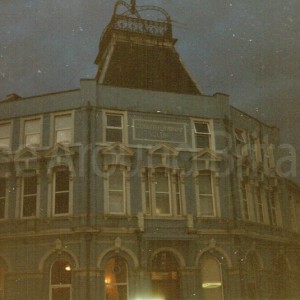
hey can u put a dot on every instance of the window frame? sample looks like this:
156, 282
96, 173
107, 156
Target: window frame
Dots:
210, 133
37, 196
126, 189
57, 286
4, 198
23, 133
53, 191
175, 191
10, 123
53, 127
216, 210
123, 128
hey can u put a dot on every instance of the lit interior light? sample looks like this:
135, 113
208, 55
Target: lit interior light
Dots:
68, 268
211, 285
107, 280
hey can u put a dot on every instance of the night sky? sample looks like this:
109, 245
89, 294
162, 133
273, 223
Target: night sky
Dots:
248, 49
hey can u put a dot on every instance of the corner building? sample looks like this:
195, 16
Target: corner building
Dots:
138, 186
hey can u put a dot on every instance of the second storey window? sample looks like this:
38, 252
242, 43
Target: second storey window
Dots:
32, 132
63, 129
114, 127
163, 193
259, 205
202, 134
61, 194
117, 191
205, 195
2, 198
240, 142
5, 131
29, 196
244, 201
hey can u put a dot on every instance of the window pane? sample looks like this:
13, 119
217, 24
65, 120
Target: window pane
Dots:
206, 205
33, 139
205, 184
201, 128
62, 293
61, 203
202, 141
114, 135
162, 203
2, 187
114, 120
162, 182
63, 122
30, 185
29, 206
62, 180
116, 202
63, 136
61, 272
4, 130
116, 180
32, 126
4, 142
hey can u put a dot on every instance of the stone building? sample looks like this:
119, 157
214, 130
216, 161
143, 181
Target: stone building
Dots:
139, 186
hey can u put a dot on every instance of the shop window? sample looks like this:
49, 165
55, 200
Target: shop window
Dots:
61, 281
2, 197
165, 277
5, 135
114, 127
202, 134
63, 128
61, 191
116, 279
29, 194
211, 279
32, 133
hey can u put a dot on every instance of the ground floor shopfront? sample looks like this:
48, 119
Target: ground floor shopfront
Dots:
136, 266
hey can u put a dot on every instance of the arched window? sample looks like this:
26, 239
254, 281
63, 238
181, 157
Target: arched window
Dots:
1, 283
252, 273
165, 277
211, 279
60, 280
116, 279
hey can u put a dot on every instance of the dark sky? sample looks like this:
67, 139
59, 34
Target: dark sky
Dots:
248, 49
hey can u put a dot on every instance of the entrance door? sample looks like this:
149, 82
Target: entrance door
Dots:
165, 279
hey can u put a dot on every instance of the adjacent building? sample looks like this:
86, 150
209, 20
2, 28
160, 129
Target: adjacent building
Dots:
139, 186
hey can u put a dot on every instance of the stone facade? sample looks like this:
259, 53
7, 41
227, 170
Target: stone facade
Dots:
112, 192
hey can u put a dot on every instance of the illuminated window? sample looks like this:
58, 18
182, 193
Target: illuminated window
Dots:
116, 279
165, 276
32, 133
2, 197
63, 129
5, 132
60, 281
202, 134
29, 194
211, 279
61, 194
163, 192
205, 195
114, 127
